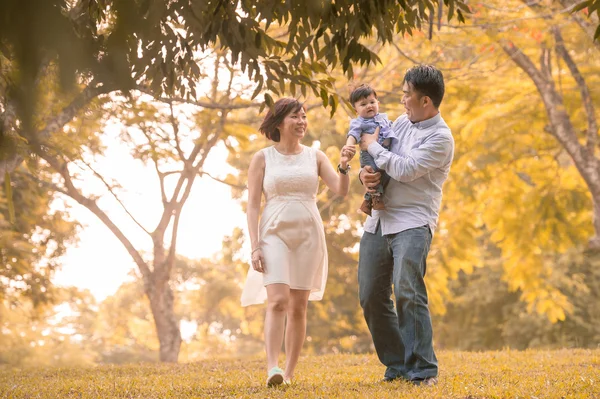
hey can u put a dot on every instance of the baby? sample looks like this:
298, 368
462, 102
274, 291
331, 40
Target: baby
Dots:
364, 100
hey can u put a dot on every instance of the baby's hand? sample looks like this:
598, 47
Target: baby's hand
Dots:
347, 153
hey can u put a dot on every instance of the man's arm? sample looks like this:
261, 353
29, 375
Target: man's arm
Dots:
431, 155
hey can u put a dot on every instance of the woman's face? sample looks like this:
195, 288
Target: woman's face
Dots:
294, 124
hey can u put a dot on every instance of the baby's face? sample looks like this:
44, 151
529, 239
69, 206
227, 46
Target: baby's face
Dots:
367, 107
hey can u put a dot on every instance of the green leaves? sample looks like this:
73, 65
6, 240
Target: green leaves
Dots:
590, 7
157, 42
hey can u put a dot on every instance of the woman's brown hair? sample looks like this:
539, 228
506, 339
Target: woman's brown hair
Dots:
282, 108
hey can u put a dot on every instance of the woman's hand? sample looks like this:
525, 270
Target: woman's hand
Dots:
258, 260
347, 153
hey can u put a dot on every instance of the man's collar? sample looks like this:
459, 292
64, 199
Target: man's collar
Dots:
428, 122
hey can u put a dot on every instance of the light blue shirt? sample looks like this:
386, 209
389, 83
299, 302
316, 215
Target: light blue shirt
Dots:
418, 163
361, 125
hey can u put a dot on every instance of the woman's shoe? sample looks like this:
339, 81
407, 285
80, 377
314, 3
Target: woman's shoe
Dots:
275, 377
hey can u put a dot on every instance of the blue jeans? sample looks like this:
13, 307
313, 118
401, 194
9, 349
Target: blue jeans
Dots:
403, 335
367, 159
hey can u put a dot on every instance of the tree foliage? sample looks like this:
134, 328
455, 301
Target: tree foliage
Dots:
485, 314
120, 43
156, 47
590, 7
515, 206
59, 335
32, 246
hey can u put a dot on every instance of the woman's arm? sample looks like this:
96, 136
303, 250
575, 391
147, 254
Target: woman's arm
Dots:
337, 182
256, 173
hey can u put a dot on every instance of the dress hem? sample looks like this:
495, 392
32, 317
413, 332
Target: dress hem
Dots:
292, 288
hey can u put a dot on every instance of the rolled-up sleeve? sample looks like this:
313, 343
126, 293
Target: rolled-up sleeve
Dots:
434, 152
355, 129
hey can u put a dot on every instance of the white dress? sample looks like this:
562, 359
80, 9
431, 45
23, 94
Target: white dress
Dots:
291, 232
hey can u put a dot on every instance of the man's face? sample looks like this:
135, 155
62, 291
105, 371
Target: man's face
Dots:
367, 107
413, 104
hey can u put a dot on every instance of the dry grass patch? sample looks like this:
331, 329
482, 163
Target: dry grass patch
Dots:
505, 374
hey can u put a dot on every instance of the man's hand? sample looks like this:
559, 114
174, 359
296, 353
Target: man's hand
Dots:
370, 178
366, 139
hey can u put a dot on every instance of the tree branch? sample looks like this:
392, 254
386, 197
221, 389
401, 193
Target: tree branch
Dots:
592, 130
91, 205
546, 63
47, 184
161, 181
402, 53
207, 105
175, 127
110, 189
202, 173
68, 113
80, 101
161, 175
173, 247
562, 127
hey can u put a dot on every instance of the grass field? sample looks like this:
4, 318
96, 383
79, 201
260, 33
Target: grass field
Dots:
505, 374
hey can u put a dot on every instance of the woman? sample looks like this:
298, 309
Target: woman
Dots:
289, 255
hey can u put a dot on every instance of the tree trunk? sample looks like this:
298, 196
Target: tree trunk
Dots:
595, 241
167, 326
562, 129
10, 163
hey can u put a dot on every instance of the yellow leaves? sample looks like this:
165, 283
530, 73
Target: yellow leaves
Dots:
241, 132
527, 215
549, 302
333, 154
437, 288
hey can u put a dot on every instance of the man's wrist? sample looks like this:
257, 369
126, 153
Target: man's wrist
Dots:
374, 149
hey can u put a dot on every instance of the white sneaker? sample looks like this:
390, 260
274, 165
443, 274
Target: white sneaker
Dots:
275, 377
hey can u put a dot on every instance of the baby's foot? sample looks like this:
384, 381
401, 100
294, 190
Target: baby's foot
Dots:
378, 204
366, 207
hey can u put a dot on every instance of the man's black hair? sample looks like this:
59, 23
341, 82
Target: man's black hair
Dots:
428, 81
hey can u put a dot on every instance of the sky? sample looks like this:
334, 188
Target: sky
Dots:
100, 263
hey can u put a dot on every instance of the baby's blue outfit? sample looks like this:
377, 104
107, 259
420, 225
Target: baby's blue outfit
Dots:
361, 125
368, 125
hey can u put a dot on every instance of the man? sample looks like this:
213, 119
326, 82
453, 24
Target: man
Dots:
394, 247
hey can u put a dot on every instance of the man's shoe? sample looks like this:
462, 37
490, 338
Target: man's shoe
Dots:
366, 207
378, 204
391, 379
429, 381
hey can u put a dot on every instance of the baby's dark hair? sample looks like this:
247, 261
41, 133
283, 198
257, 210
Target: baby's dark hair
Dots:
360, 92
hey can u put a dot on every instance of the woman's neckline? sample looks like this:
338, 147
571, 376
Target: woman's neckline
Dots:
287, 155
